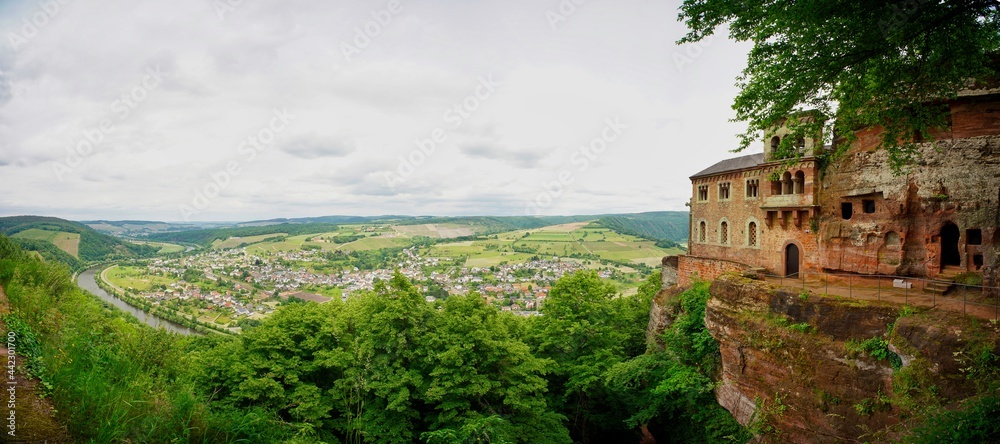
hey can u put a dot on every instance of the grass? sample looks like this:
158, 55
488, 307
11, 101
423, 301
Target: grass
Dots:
491, 260
234, 242
375, 243
136, 278
436, 231
68, 242
165, 248
325, 290
111, 378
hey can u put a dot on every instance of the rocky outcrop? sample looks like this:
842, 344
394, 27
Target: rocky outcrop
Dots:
789, 371
662, 313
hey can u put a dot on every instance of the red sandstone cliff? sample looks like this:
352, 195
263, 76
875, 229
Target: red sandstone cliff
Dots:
787, 371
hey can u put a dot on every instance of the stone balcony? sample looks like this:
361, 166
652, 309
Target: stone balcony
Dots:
788, 201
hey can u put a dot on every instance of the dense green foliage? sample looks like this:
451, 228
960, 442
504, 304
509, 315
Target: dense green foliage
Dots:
867, 64
207, 236
384, 366
670, 387
111, 378
669, 226
94, 246
49, 251
975, 422
585, 331
387, 367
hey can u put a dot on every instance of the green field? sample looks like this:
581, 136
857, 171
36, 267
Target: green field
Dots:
376, 243
135, 278
324, 290
436, 231
234, 242
578, 239
68, 242
322, 241
478, 253
165, 248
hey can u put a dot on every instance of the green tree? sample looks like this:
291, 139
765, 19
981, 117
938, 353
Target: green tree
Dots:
585, 330
669, 388
381, 388
484, 379
865, 63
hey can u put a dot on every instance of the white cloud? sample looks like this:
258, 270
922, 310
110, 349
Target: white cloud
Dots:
356, 120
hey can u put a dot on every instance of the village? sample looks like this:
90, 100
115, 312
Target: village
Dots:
240, 284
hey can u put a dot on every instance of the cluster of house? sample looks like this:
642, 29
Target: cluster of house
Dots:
184, 291
522, 285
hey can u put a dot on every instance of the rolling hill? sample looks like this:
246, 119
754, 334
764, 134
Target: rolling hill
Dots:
66, 241
205, 237
657, 225
671, 225
133, 228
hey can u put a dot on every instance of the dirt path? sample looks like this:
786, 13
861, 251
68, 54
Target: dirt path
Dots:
33, 415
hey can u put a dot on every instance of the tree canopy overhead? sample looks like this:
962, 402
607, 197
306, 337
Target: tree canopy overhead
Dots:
864, 63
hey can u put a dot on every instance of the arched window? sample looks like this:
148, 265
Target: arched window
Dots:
752, 234
799, 182
752, 187
701, 232
786, 183
775, 141
724, 233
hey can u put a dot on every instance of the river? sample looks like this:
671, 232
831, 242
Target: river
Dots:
86, 281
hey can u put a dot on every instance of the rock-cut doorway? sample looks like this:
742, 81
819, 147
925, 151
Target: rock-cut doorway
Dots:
950, 254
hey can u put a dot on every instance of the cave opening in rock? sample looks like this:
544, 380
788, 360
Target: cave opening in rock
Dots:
949, 245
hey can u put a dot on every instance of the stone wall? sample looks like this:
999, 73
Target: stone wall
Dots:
780, 218
690, 268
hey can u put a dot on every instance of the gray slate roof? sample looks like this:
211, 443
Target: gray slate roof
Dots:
736, 163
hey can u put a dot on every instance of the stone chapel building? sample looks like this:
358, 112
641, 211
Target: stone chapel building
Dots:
855, 216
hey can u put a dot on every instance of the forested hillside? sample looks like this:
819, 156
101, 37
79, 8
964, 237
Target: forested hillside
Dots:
670, 225
207, 236
93, 246
500, 224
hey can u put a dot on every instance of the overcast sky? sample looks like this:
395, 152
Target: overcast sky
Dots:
238, 110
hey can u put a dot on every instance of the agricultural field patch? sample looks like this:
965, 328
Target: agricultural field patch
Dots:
165, 247
375, 243
134, 278
68, 242
234, 242
574, 226
436, 231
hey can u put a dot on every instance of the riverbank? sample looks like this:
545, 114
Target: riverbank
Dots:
153, 310
89, 281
